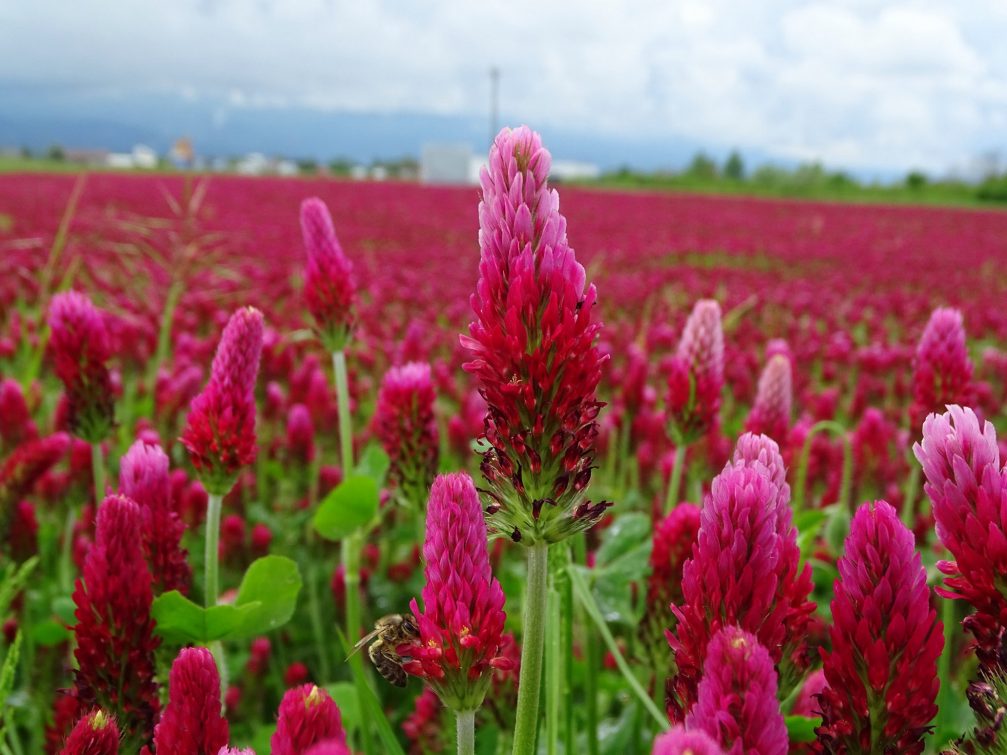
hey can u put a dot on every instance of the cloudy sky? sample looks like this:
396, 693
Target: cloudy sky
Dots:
857, 84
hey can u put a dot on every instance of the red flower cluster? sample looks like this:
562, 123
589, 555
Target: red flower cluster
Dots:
696, 377
114, 630
744, 571
220, 432
192, 723
942, 370
308, 716
968, 488
143, 477
463, 617
737, 703
94, 734
533, 350
405, 425
328, 286
80, 348
770, 414
678, 741
22, 469
882, 671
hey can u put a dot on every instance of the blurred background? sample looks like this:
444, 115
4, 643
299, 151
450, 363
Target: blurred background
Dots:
780, 97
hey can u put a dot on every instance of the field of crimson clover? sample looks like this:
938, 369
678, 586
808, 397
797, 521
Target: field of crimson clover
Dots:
726, 480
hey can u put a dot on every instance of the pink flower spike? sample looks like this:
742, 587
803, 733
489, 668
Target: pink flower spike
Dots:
94, 734
328, 286
942, 370
697, 377
737, 702
463, 617
220, 430
308, 716
771, 411
192, 723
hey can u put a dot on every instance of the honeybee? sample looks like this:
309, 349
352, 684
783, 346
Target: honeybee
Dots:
389, 632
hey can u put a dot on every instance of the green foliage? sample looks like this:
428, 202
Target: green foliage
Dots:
802, 728
349, 508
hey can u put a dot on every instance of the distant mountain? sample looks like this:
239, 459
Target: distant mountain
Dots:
39, 119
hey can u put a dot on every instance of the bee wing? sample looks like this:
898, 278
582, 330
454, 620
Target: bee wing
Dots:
363, 641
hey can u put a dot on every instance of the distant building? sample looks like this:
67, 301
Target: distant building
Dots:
253, 164
93, 158
446, 164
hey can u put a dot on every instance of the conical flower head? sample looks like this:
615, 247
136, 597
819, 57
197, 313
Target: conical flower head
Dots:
882, 671
679, 741
533, 349
744, 571
771, 411
329, 288
462, 620
80, 349
737, 703
94, 734
672, 545
968, 488
405, 425
942, 370
220, 431
697, 375
308, 716
114, 630
144, 477
192, 723
16, 424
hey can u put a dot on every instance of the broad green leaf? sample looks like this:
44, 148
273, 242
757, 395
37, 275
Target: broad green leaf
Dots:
180, 620
347, 509
64, 608
802, 728
49, 633
809, 524
345, 695
374, 463
627, 533
270, 587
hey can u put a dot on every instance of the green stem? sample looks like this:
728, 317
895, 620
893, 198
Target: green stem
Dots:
98, 471
211, 555
217, 651
801, 477
911, 493
351, 569
343, 404
675, 483
533, 642
592, 659
944, 694
465, 721
552, 670
314, 607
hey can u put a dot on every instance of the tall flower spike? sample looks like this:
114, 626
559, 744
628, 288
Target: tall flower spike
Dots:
942, 370
143, 476
463, 616
697, 375
678, 741
745, 571
770, 413
328, 286
94, 734
737, 703
967, 485
672, 544
308, 716
220, 431
114, 630
192, 723
534, 352
405, 425
80, 348
882, 671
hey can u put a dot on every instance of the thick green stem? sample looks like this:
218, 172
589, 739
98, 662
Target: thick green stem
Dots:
533, 642
211, 587
675, 484
98, 471
343, 403
466, 724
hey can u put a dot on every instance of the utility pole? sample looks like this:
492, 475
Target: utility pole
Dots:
494, 101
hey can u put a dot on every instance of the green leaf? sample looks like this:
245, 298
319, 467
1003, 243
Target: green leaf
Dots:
345, 695
181, 620
7, 673
802, 728
64, 607
270, 588
347, 509
49, 633
627, 533
374, 463
837, 528
809, 524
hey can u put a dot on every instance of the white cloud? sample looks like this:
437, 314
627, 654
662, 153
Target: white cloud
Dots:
858, 84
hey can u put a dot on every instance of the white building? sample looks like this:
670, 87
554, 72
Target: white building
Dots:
446, 164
